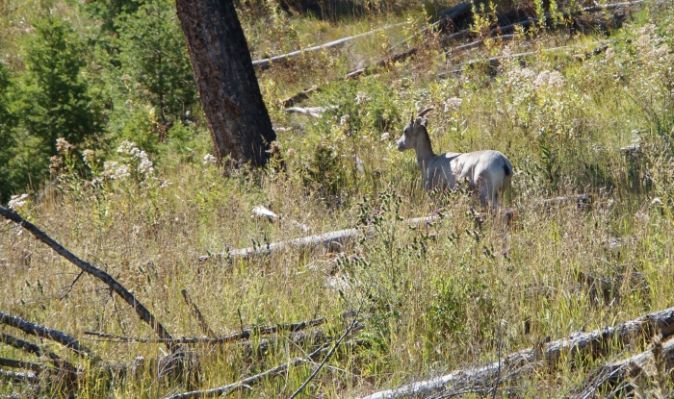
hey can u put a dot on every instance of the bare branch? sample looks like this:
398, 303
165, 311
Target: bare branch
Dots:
197, 313
20, 364
332, 350
45, 332
247, 382
140, 309
243, 335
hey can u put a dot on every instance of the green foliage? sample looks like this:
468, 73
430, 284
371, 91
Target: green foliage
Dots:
448, 313
7, 142
324, 175
154, 56
108, 11
53, 97
141, 126
49, 100
363, 108
462, 290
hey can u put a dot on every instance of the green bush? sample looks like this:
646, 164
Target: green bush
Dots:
154, 56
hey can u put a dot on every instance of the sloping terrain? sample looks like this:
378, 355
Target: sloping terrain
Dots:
585, 116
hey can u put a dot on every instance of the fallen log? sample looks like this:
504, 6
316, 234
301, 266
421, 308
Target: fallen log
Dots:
23, 377
114, 285
593, 344
243, 335
49, 333
266, 63
325, 239
583, 201
315, 112
661, 355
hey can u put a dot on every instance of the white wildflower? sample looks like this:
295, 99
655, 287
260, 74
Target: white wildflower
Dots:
386, 136
62, 145
89, 157
361, 98
55, 164
128, 148
145, 166
549, 79
344, 120
114, 171
209, 159
17, 202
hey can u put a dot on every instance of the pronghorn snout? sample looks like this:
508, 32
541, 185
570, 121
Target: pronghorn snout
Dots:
402, 144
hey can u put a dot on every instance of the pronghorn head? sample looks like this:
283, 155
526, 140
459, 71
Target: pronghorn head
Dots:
415, 128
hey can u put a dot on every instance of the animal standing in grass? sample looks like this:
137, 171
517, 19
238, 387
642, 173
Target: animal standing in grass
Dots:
487, 172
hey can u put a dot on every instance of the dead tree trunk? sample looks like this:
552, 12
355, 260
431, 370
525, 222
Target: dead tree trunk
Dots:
237, 117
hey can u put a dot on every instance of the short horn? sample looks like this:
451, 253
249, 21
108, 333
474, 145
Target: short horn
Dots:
425, 111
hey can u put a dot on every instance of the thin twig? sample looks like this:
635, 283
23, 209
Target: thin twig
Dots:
348, 331
197, 313
70, 288
247, 382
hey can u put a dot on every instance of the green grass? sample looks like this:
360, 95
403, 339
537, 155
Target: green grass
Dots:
436, 298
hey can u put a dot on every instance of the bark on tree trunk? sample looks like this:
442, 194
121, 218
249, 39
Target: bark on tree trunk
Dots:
230, 95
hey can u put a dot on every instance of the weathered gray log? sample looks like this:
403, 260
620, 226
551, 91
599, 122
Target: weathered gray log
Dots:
592, 344
315, 112
325, 239
610, 375
118, 288
265, 63
243, 335
23, 377
45, 332
583, 201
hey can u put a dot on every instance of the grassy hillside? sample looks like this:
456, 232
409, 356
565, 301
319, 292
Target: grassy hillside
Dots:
462, 291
